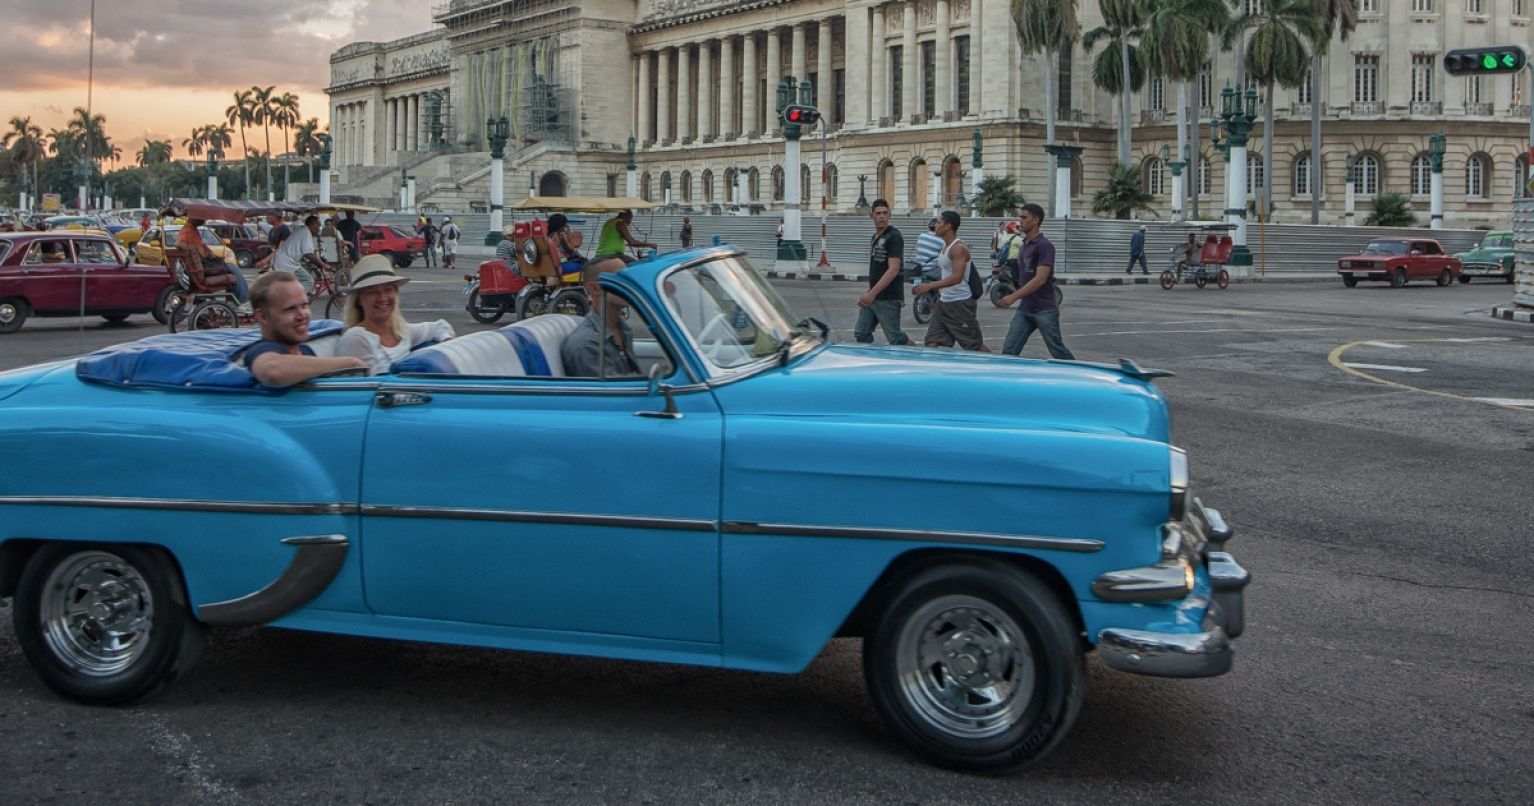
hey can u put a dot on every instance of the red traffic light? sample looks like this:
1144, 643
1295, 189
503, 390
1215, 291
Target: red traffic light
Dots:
801, 115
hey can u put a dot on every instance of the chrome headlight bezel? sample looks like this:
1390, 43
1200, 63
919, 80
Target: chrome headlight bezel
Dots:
1182, 494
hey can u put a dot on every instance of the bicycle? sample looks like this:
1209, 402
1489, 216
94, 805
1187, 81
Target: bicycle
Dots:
331, 284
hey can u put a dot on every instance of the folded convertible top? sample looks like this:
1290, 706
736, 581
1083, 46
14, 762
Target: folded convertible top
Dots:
202, 360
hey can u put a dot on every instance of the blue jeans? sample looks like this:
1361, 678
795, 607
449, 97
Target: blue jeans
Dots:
241, 287
885, 312
1048, 325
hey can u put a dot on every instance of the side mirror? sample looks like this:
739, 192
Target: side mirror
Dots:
656, 387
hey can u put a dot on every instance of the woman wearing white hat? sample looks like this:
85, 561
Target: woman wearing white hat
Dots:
376, 331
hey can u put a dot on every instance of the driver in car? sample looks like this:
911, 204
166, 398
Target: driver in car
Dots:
599, 345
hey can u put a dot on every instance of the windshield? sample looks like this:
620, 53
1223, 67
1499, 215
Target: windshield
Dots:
1386, 248
1501, 240
209, 237
401, 233
732, 314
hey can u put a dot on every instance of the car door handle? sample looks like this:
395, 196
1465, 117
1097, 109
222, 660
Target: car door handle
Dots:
388, 400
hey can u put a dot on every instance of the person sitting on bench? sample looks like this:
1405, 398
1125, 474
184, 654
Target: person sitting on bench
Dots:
190, 239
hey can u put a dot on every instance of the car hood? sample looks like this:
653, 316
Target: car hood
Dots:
949, 388
15, 380
1479, 253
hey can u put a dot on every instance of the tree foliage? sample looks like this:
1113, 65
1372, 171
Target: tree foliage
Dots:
1390, 210
997, 196
1123, 195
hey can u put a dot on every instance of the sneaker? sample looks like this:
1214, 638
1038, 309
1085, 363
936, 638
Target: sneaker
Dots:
244, 309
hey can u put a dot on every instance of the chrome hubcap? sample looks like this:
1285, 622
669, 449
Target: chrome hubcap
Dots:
7, 313
966, 666
96, 612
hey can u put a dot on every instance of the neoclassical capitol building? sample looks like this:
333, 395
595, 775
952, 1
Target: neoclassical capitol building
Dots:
903, 87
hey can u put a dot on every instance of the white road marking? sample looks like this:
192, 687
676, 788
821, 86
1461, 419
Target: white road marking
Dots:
1388, 345
1383, 367
1482, 338
1215, 330
1153, 322
1507, 401
182, 759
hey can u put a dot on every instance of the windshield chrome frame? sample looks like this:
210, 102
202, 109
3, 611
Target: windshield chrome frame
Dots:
718, 375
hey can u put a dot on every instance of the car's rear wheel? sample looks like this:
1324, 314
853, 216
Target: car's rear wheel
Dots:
1445, 277
483, 313
115, 318
1464, 278
244, 258
975, 665
402, 260
13, 314
105, 624
1398, 278
1168, 279
1349, 280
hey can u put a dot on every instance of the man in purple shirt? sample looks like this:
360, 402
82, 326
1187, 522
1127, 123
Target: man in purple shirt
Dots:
1036, 290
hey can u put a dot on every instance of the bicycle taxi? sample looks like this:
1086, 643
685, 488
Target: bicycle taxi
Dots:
1204, 260
539, 282
203, 301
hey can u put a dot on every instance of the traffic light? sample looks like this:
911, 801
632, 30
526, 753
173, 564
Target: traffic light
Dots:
798, 115
1485, 61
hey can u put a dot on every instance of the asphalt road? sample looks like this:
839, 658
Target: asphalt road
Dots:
1372, 448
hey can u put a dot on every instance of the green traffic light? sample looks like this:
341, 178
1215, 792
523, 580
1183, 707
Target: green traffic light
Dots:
1509, 61
1489, 61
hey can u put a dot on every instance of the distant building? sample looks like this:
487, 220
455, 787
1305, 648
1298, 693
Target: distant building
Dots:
902, 86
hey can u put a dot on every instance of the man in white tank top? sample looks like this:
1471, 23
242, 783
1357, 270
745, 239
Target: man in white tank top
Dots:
954, 318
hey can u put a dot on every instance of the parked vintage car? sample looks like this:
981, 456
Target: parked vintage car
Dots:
1492, 257
247, 242
736, 507
49, 273
395, 243
1397, 260
150, 250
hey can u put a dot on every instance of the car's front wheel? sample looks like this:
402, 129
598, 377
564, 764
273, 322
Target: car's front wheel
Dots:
13, 314
1464, 278
1398, 278
1445, 277
244, 258
105, 624
1349, 280
975, 665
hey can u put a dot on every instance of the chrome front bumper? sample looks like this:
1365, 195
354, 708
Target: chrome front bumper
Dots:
1202, 654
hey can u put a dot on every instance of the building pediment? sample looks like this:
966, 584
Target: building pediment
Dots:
668, 13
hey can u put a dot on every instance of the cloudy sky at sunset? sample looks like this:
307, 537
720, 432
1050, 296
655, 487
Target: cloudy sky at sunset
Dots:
164, 67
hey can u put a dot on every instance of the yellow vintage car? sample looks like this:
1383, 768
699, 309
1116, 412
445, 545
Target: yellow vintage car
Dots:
130, 237
150, 250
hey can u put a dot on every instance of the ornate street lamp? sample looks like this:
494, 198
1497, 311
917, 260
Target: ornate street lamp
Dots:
324, 166
1436, 146
1351, 199
631, 186
214, 155
977, 159
1177, 166
497, 132
1235, 124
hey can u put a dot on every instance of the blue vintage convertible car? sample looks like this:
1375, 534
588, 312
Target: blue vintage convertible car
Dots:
738, 495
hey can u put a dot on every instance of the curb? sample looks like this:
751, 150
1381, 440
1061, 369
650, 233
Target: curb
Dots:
1061, 279
1513, 314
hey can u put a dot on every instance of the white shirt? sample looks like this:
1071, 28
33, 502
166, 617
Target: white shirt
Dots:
289, 257
958, 292
364, 344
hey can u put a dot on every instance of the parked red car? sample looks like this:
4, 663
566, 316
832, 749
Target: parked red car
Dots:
46, 274
247, 242
394, 243
1398, 260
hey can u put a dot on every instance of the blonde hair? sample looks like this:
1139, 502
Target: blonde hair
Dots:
352, 315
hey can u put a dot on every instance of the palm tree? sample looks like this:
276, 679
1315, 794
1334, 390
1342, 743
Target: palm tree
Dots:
90, 133
218, 137
286, 117
195, 144
1175, 44
1123, 195
1390, 210
1047, 27
1118, 66
1337, 17
1280, 37
25, 141
264, 111
154, 152
240, 113
306, 141
997, 196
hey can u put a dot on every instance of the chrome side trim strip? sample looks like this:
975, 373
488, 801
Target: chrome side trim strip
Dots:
1073, 544
315, 564
522, 516
423, 383
182, 504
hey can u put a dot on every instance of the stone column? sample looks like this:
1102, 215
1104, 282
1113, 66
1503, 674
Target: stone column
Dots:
750, 112
855, 55
643, 101
663, 130
976, 63
727, 127
684, 93
412, 123
825, 91
774, 75
908, 97
878, 82
943, 80
400, 128
706, 90
391, 127
798, 58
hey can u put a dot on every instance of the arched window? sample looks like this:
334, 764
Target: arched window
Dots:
686, 187
1078, 177
777, 183
707, 182
952, 169
805, 187
729, 186
831, 176
1477, 176
1302, 174
553, 183
1256, 176
644, 186
1521, 177
1205, 176
886, 181
917, 183
754, 184
1153, 176
1366, 175
665, 187
1421, 175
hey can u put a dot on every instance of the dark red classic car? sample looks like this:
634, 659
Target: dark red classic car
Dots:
394, 243
66, 273
1398, 260
247, 242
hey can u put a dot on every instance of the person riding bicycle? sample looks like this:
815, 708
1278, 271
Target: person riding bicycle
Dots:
616, 237
301, 247
928, 247
1192, 255
565, 242
190, 239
